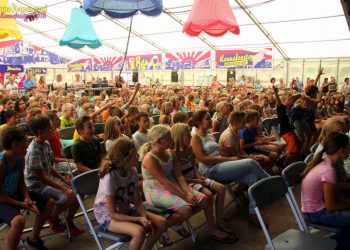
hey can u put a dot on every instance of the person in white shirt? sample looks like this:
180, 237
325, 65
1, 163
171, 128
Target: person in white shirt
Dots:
58, 84
78, 85
345, 88
12, 86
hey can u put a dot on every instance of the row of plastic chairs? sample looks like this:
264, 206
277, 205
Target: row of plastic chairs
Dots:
68, 132
272, 189
87, 184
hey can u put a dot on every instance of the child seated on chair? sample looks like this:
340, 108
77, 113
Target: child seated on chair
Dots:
181, 136
321, 201
87, 151
56, 147
118, 207
251, 143
141, 135
11, 119
14, 195
67, 119
44, 180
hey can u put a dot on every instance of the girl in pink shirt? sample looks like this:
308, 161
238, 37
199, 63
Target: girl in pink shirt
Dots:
320, 199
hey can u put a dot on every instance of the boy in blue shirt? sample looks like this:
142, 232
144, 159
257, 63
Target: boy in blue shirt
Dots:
28, 84
14, 195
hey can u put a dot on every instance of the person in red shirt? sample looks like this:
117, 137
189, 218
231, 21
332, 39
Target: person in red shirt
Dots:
56, 146
215, 84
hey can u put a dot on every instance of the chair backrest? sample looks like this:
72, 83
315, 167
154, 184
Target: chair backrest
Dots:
99, 128
267, 191
99, 118
291, 174
22, 120
86, 183
314, 147
66, 133
268, 123
216, 135
67, 152
156, 119
22, 125
309, 158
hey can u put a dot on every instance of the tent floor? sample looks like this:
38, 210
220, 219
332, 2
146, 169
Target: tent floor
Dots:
251, 236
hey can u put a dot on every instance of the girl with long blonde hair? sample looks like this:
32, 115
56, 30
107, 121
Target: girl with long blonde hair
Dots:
163, 184
181, 136
165, 113
117, 206
112, 131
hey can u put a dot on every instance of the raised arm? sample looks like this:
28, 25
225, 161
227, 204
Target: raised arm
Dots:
137, 88
275, 91
319, 73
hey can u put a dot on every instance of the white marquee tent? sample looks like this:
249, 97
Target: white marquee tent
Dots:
295, 28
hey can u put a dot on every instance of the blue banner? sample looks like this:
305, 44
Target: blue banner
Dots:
19, 52
11, 68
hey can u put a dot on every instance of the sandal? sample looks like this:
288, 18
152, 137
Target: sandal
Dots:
183, 232
164, 241
226, 230
228, 239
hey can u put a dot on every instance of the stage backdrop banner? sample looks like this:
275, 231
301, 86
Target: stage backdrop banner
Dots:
39, 71
257, 58
144, 62
19, 52
11, 68
95, 64
188, 60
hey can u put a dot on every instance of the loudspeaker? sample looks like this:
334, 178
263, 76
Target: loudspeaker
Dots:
135, 76
174, 76
346, 8
231, 73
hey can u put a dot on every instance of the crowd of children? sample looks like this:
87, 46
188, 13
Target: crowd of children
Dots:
162, 136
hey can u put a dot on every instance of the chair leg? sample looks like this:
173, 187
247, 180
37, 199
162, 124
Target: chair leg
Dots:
22, 244
233, 195
67, 227
194, 236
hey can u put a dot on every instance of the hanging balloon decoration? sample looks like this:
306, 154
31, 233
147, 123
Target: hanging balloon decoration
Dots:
80, 32
123, 9
214, 17
8, 25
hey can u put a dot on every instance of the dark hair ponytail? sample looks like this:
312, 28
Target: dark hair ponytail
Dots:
332, 143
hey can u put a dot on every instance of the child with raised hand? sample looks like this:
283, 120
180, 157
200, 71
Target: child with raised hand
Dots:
14, 195
118, 207
181, 136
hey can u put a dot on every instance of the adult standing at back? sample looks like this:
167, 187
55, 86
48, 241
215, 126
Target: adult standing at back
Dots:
78, 85
11, 85
345, 88
42, 87
58, 84
28, 84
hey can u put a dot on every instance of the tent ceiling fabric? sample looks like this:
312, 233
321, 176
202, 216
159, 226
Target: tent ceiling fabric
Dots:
303, 29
